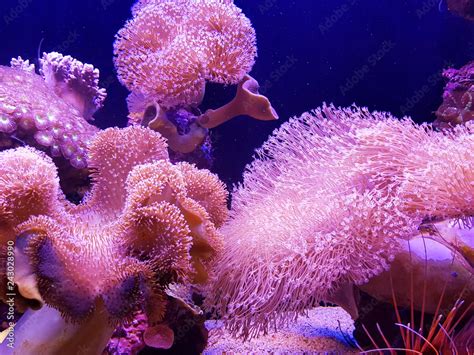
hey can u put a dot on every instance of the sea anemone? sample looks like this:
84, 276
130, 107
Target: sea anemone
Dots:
95, 264
323, 206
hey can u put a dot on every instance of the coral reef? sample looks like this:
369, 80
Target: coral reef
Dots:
145, 225
325, 205
458, 97
50, 114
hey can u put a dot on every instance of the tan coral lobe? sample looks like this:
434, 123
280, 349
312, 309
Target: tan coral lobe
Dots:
28, 185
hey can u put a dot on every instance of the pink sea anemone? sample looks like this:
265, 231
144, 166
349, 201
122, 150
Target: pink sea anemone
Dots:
144, 225
169, 49
324, 205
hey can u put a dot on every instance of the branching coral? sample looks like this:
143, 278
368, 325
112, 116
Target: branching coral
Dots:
75, 82
144, 226
20, 63
170, 48
324, 205
32, 111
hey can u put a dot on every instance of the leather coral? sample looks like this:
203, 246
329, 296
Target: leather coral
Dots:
143, 227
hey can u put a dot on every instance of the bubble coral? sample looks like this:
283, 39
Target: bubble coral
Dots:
169, 49
143, 226
40, 113
324, 205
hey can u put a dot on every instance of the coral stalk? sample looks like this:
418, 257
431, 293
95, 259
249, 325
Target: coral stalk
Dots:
58, 336
247, 102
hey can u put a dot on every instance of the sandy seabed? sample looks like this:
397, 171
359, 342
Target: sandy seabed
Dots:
326, 330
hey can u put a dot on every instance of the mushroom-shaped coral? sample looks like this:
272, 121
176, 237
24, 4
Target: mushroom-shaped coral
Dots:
248, 101
324, 206
170, 48
32, 112
140, 229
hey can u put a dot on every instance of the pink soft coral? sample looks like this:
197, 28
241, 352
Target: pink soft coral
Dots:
324, 205
145, 225
170, 48
458, 97
74, 81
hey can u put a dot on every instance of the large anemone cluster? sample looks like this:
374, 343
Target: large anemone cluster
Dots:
326, 204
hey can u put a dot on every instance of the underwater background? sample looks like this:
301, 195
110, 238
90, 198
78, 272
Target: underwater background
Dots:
345, 207
386, 55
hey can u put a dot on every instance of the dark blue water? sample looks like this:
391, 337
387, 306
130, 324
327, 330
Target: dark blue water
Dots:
383, 54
